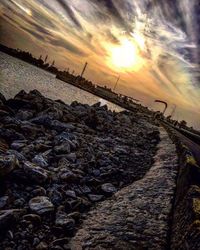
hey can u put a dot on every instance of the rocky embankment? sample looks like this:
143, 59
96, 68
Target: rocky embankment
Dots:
58, 160
139, 215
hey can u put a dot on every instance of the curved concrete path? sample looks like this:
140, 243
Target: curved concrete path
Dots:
136, 217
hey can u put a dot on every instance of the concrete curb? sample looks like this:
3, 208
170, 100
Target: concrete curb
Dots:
185, 231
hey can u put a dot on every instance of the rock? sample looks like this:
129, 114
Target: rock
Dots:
17, 145
95, 198
24, 115
58, 126
40, 160
64, 148
64, 221
70, 193
56, 197
42, 246
18, 155
33, 218
41, 205
4, 200
68, 176
19, 203
7, 164
35, 172
8, 217
71, 157
39, 191
108, 188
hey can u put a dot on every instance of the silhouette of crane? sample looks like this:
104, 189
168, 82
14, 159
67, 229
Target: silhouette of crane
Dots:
164, 104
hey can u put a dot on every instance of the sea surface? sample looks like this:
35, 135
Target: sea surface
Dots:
16, 75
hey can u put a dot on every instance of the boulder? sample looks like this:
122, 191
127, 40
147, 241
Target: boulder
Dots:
41, 205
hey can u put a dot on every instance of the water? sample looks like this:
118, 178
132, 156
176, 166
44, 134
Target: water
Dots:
16, 75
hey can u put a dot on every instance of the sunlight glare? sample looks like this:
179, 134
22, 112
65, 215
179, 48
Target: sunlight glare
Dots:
125, 56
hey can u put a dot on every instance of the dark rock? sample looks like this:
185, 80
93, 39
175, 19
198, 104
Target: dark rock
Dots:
40, 160
64, 148
35, 172
95, 198
63, 220
41, 205
19, 203
8, 217
4, 201
71, 157
70, 193
17, 145
33, 218
108, 188
18, 155
39, 191
42, 246
56, 197
7, 164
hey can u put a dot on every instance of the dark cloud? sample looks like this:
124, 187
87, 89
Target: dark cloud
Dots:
113, 12
67, 45
70, 13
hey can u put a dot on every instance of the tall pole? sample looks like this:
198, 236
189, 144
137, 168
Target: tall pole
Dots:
116, 83
84, 68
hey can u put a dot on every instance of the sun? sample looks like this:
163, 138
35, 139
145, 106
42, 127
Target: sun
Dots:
125, 56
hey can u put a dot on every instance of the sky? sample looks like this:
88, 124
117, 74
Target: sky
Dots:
154, 45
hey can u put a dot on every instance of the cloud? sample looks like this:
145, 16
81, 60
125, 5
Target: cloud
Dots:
59, 42
70, 13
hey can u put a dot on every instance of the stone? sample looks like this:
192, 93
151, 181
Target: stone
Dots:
71, 157
41, 205
64, 221
58, 126
95, 198
17, 145
108, 188
42, 246
7, 164
4, 201
19, 156
63, 148
70, 193
40, 161
68, 176
39, 191
33, 218
8, 217
34, 172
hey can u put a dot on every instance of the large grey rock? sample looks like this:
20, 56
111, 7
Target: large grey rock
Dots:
41, 205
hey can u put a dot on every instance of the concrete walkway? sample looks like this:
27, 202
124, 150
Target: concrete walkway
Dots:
136, 217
